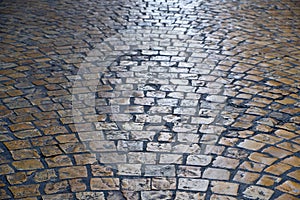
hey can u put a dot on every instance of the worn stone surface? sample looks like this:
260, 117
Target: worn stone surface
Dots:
256, 192
227, 188
25, 191
149, 99
193, 184
105, 184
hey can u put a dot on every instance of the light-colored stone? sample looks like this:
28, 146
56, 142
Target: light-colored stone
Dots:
137, 184
290, 187
221, 187
199, 160
170, 158
112, 158
142, 158
217, 174
193, 184
154, 195
256, 192
130, 169
164, 183
160, 170
189, 195
90, 195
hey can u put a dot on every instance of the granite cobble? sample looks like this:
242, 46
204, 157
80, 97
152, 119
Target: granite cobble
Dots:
149, 99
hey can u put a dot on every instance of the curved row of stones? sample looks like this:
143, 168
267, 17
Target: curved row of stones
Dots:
193, 100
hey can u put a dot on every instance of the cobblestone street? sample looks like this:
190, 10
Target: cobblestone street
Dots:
150, 99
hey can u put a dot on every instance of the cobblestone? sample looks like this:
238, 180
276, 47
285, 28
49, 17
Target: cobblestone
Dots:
149, 99
193, 184
220, 187
25, 191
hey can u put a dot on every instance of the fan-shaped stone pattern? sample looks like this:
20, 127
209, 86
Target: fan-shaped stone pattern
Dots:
216, 118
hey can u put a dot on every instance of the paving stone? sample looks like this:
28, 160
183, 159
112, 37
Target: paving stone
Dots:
151, 195
290, 187
45, 175
269, 139
140, 184
17, 178
254, 192
43, 141
186, 148
24, 153
90, 195
51, 150
159, 147
267, 180
6, 169
17, 144
77, 185
295, 174
216, 173
285, 134
27, 134
278, 168
212, 149
67, 196
216, 98
228, 141
115, 195
166, 137
104, 184
53, 130
189, 171
25, 191
277, 152
171, 158
99, 170
251, 145
224, 162
113, 158
129, 169
29, 164
209, 139
246, 177
84, 159
102, 146
57, 187
193, 184
144, 158
21, 126
221, 187
262, 158
182, 89
189, 195
59, 161
199, 160
289, 146
72, 172
287, 196
221, 197
130, 146
131, 195
68, 138
252, 166
4, 195
164, 183
160, 170
293, 161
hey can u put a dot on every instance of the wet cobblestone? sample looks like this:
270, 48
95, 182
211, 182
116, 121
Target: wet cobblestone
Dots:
149, 99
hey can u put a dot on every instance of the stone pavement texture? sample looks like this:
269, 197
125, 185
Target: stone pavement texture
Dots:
150, 99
